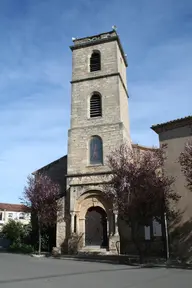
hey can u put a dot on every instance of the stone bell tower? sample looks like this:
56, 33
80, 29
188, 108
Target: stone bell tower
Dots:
99, 124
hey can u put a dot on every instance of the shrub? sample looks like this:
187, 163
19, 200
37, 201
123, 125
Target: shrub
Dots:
14, 247
19, 236
20, 247
13, 231
26, 249
26, 236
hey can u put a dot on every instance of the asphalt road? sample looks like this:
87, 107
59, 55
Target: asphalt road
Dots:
21, 271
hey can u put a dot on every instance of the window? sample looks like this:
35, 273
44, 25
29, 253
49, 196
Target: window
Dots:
95, 61
1, 216
21, 216
154, 229
75, 224
95, 105
10, 215
27, 215
96, 150
157, 228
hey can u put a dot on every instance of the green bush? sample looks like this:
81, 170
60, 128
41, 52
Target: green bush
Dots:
13, 231
14, 247
16, 232
20, 247
26, 249
19, 236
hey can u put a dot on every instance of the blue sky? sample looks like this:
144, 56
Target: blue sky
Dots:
35, 73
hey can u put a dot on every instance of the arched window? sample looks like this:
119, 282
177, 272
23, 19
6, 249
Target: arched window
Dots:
96, 150
10, 215
95, 105
95, 61
21, 216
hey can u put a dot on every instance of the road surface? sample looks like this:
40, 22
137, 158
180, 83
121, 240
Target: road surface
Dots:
22, 271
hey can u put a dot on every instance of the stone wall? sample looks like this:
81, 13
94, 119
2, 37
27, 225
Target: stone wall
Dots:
57, 171
113, 126
81, 57
78, 152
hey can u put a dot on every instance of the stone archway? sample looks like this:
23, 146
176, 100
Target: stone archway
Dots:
96, 227
92, 208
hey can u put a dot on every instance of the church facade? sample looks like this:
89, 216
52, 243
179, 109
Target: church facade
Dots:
99, 124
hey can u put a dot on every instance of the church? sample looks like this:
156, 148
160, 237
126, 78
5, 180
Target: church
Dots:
100, 123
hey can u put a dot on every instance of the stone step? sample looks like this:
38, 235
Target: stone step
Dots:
92, 250
92, 247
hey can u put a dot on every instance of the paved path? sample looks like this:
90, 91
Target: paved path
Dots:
21, 271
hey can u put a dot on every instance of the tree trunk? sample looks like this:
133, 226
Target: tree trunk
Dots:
136, 241
39, 234
39, 240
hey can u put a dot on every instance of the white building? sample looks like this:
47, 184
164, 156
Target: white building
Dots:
13, 211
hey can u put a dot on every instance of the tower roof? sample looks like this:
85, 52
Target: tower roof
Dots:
99, 39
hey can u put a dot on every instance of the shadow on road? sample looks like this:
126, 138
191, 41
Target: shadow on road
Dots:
17, 280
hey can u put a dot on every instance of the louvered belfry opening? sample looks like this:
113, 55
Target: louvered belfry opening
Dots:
95, 106
95, 62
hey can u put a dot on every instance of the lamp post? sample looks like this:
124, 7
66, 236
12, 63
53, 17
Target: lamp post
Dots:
165, 223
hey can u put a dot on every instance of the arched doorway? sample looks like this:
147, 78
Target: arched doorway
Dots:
96, 227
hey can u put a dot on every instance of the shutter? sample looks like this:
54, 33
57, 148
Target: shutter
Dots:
95, 106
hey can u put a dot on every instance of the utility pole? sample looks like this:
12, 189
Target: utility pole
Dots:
166, 236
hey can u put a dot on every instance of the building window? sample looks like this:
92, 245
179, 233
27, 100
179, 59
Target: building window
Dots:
157, 228
1, 216
95, 105
95, 61
27, 215
96, 150
75, 224
21, 216
10, 215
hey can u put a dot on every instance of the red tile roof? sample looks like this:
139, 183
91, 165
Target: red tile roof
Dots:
144, 147
13, 207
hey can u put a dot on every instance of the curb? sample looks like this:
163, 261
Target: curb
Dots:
123, 262
38, 256
87, 259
